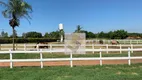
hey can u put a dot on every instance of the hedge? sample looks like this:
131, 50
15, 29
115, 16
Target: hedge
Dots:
26, 40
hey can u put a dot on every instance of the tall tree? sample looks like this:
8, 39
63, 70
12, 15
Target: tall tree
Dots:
54, 35
24, 35
46, 35
120, 34
78, 30
32, 34
4, 34
15, 10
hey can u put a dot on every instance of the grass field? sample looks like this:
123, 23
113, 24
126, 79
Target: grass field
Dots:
106, 72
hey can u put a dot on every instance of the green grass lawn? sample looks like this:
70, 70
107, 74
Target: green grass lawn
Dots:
106, 72
62, 55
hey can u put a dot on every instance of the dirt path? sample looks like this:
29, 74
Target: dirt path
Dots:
67, 63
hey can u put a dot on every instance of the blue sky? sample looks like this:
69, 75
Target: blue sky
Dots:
92, 15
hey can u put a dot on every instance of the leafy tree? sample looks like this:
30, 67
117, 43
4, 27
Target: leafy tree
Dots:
46, 35
24, 35
32, 35
88, 34
15, 10
54, 35
91, 35
111, 35
4, 34
101, 34
120, 34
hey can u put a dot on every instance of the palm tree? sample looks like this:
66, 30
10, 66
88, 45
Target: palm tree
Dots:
15, 10
78, 30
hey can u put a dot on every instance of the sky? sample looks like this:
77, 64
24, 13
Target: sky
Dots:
92, 15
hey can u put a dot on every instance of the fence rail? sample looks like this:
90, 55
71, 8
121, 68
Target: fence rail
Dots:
71, 59
89, 47
125, 41
63, 50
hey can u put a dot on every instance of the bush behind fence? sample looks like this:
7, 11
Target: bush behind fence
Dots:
26, 40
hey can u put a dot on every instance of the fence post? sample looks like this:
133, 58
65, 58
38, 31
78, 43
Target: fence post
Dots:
129, 60
41, 62
131, 48
11, 64
37, 47
0, 46
24, 47
120, 49
16, 47
107, 48
107, 41
93, 48
71, 64
100, 57
104, 41
50, 48
65, 48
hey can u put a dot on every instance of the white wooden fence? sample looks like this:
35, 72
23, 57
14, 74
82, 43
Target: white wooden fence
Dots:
71, 59
121, 41
106, 47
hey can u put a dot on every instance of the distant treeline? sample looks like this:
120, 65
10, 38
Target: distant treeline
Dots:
118, 34
26, 40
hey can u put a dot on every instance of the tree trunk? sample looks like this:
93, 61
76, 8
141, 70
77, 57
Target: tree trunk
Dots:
13, 39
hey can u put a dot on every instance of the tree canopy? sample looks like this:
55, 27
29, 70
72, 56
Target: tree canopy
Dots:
32, 35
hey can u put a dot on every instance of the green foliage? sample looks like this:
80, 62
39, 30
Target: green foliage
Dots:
5, 40
102, 35
89, 34
53, 35
46, 35
24, 35
32, 35
4, 34
79, 29
110, 35
15, 10
26, 40
135, 35
118, 34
